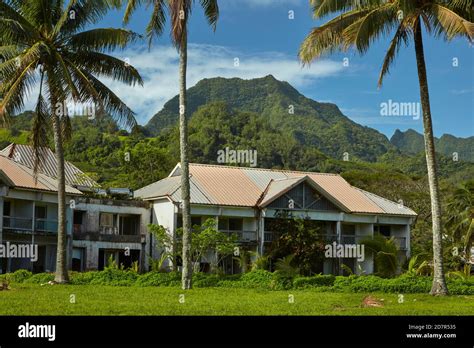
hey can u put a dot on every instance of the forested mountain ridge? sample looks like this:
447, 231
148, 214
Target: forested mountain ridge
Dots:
310, 123
411, 142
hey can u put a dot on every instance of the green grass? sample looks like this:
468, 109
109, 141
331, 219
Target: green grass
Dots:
32, 299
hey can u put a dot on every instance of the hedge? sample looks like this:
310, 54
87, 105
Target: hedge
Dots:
260, 279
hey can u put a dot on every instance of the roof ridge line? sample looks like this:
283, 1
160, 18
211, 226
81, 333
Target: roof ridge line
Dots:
264, 169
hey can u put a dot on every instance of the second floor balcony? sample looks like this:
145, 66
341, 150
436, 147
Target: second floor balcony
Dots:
25, 225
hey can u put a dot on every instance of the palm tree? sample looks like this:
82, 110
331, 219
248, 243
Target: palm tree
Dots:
358, 24
45, 39
179, 11
460, 217
385, 253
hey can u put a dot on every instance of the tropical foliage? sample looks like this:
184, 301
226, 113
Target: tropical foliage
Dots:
46, 41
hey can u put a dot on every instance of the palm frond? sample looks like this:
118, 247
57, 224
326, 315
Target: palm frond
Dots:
102, 65
376, 23
401, 37
449, 23
328, 37
101, 39
157, 21
211, 11
40, 130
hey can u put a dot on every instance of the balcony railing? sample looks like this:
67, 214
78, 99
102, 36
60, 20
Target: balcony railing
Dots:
243, 236
269, 236
45, 225
400, 242
14, 223
17, 223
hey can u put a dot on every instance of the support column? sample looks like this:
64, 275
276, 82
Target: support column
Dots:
261, 231
339, 239
33, 228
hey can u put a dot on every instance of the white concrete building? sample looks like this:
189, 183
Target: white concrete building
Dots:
245, 201
97, 228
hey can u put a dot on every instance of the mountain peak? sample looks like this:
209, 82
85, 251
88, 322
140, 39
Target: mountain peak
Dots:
309, 122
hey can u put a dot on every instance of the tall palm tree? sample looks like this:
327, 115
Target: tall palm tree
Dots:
358, 24
460, 217
179, 11
45, 39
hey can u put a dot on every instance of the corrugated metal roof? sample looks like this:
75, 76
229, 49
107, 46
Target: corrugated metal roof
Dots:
24, 154
237, 186
21, 176
276, 187
388, 206
164, 187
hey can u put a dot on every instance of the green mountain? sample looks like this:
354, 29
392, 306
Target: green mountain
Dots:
319, 125
411, 142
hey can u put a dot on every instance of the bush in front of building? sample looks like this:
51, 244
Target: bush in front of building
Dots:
40, 278
159, 279
113, 276
257, 279
318, 280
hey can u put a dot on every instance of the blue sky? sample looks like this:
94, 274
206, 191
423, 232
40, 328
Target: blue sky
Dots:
266, 41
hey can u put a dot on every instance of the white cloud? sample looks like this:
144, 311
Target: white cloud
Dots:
159, 68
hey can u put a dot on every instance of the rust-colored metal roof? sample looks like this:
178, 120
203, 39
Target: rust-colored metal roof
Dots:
20, 176
238, 186
24, 154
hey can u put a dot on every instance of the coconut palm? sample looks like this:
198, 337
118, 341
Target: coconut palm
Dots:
385, 253
43, 44
358, 23
460, 217
179, 11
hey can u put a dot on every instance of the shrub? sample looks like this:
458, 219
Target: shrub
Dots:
314, 281
257, 279
83, 278
342, 283
40, 278
202, 280
461, 287
159, 279
20, 276
281, 281
112, 276
407, 284
366, 284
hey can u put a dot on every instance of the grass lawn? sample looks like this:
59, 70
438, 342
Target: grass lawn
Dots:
29, 299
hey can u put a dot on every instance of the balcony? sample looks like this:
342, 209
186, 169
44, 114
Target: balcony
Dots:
25, 225
400, 242
243, 236
108, 234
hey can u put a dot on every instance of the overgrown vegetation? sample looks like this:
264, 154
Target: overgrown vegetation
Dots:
258, 279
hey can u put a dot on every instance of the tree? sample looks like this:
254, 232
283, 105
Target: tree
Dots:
385, 252
206, 238
46, 38
460, 219
179, 11
358, 24
299, 237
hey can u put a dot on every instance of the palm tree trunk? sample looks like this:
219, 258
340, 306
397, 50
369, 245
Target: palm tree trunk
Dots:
61, 260
185, 195
439, 282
